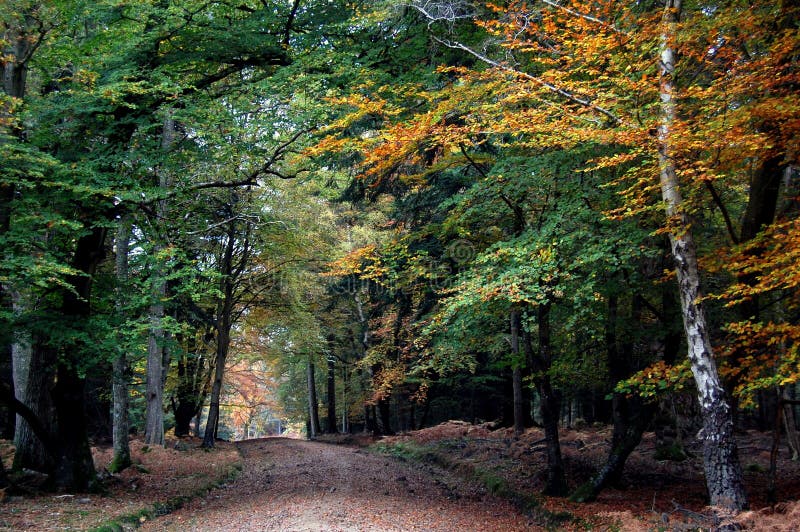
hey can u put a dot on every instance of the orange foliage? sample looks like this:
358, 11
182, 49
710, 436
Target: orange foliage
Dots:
587, 72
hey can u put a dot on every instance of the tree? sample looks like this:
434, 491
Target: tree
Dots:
108, 86
723, 471
558, 77
121, 370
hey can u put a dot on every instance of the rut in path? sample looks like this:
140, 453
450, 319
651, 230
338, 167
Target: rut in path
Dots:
290, 485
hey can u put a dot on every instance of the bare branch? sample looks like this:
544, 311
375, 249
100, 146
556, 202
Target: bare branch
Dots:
584, 16
582, 101
451, 10
444, 10
250, 179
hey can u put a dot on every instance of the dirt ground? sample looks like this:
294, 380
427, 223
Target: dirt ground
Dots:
159, 478
293, 485
443, 478
656, 494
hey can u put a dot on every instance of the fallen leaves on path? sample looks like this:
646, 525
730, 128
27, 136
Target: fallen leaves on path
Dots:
293, 485
299, 485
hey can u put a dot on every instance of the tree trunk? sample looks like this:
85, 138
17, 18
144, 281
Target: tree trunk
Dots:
212, 422
631, 418
630, 415
556, 485
33, 364
34, 389
516, 376
313, 409
789, 423
230, 272
345, 424
386, 417
223, 345
331, 395
75, 468
193, 384
154, 424
120, 429
723, 471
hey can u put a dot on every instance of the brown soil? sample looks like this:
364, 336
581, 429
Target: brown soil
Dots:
656, 494
159, 476
299, 485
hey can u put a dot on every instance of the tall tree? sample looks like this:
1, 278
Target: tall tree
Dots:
723, 471
121, 369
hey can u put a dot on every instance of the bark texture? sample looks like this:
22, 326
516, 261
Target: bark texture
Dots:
121, 426
35, 391
723, 471
313, 409
556, 485
154, 418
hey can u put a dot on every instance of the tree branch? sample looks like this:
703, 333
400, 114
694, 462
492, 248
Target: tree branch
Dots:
725, 215
290, 22
20, 408
584, 102
583, 16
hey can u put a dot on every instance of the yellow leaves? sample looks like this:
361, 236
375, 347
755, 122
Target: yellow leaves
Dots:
657, 379
759, 356
364, 262
612, 161
767, 263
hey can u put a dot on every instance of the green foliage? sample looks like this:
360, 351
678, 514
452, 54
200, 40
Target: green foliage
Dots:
657, 380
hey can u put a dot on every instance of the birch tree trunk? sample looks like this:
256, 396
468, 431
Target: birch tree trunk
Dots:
723, 471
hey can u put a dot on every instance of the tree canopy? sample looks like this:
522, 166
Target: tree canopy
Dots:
509, 211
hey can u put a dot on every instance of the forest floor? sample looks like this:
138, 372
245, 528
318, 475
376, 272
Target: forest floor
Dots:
161, 479
451, 477
656, 494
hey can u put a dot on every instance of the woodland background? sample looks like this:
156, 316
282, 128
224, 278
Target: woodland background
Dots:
231, 218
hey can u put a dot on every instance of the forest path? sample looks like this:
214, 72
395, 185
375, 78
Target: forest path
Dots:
292, 485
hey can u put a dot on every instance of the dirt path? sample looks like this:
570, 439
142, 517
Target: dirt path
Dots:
299, 485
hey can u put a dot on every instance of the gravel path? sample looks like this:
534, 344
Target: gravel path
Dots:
292, 485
